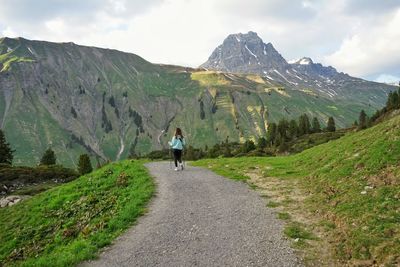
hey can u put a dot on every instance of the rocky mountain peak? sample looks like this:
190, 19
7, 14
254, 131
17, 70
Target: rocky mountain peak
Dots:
245, 53
250, 37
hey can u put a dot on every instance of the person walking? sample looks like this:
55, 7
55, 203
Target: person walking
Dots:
177, 144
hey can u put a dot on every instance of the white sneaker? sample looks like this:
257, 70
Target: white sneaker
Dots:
176, 169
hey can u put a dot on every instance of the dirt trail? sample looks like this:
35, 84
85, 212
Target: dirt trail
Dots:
201, 219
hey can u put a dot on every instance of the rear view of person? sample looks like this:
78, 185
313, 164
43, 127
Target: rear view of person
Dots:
177, 144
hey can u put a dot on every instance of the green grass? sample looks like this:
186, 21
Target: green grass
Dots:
284, 216
354, 186
299, 234
273, 204
70, 222
296, 230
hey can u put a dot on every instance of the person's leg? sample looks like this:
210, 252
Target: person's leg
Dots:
176, 157
179, 156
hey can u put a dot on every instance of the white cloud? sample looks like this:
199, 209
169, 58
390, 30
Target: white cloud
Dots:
387, 78
9, 32
372, 49
185, 32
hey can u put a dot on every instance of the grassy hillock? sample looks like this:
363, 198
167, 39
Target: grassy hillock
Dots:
352, 185
70, 222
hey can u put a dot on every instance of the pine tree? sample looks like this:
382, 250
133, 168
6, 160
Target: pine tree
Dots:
395, 100
261, 143
6, 153
283, 128
111, 101
84, 164
272, 133
392, 101
362, 120
331, 125
316, 127
304, 125
398, 93
48, 158
293, 129
283, 146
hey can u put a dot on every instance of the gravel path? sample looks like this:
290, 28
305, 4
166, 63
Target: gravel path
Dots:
201, 219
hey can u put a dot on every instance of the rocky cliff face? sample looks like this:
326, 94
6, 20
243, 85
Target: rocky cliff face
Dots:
80, 99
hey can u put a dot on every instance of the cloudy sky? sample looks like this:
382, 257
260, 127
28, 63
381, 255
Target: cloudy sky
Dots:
360, 37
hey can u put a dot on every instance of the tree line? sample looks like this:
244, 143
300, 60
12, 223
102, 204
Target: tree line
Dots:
278, 139
48, 158
278, 134
392, 103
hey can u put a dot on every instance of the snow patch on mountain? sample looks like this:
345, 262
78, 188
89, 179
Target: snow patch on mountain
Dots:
305, 61
30, 50
250, 51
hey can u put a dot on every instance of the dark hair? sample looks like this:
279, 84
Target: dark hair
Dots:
178, 131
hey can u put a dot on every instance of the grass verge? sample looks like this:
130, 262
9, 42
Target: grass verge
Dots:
71, 222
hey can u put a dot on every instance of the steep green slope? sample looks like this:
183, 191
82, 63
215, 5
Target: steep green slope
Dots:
70, 222
105, 102
353, 185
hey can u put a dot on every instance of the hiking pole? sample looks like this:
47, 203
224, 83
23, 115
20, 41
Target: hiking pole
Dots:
183, 158
170, 159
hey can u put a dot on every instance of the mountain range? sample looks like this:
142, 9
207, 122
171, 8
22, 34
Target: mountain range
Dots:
80, 99
247, 53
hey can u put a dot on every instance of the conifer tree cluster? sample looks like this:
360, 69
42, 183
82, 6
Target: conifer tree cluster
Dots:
285, 131
392, 103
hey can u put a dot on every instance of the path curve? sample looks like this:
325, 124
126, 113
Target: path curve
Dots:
201, 219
